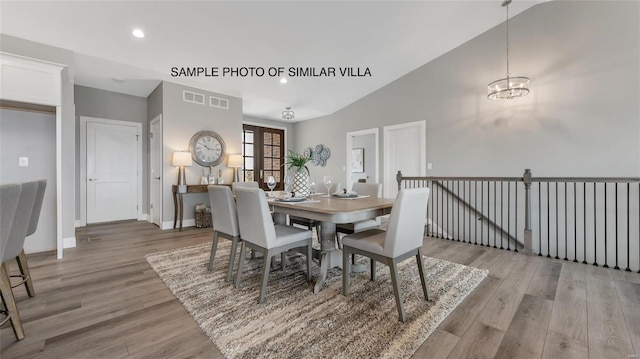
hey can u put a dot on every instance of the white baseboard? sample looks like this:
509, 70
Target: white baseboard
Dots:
78, 223
144, 217
69, 242
185, 223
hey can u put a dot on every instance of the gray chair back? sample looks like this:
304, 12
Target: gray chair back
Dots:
37, 207
9, 197
21, 221
236, 185
255, 220
223, 210
368, 189
406, 222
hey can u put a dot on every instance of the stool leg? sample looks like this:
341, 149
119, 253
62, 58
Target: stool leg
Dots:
10, 302
24, 270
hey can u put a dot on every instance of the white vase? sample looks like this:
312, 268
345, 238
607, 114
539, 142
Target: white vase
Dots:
301, 183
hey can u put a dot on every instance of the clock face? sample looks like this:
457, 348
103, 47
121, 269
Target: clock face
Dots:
207, 148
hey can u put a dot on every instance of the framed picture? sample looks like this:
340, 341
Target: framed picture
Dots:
357, 160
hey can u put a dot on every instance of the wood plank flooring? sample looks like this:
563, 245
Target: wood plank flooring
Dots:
104, 301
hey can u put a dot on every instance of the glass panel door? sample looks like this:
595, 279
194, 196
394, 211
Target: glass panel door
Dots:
263, 152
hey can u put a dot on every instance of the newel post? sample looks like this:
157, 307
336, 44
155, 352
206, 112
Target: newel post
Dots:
528, 244
399, 179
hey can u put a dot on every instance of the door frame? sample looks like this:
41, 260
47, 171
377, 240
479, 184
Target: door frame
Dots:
83, 162
257, 124
371, 131
156, 119
388, 190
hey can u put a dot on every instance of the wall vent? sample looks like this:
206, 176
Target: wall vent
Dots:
218, 102
188, 96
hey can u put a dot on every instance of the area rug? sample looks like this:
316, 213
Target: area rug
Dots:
294, 322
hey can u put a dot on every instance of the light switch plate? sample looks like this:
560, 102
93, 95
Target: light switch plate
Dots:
23, 161
429, 166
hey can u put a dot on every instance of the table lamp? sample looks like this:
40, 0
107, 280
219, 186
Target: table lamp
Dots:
181, 159
235, 161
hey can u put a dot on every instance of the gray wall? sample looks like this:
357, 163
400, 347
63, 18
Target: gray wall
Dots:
36, 50
33, 135
180, 121
580, 119
109, 105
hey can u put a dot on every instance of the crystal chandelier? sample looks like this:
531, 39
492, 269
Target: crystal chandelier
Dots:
508, 87
288, 114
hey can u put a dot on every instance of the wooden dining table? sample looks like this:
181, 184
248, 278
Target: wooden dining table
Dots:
331, 211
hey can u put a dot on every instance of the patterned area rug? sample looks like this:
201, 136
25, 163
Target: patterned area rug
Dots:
294, 322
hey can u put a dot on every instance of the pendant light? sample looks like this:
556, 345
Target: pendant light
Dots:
509, 87
288, 114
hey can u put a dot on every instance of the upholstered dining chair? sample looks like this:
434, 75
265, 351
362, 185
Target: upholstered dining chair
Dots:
21, 259
402, 239
224, 217
11, 247
260, 234
235, 185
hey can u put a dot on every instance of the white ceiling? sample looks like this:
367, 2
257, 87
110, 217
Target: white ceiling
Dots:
390, 38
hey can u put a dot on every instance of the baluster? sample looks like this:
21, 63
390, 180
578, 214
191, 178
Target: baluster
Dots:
616, 224
548, 223
628, 249
509, 216
557, 226
495, 219
605, 226
539, 218
566, 246
584, 221
501, 213
575, 222
595, 227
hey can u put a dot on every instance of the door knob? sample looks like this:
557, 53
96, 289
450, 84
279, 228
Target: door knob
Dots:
157, 178
93, 179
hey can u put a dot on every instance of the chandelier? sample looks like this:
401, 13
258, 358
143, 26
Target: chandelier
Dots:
508, 87
288, 114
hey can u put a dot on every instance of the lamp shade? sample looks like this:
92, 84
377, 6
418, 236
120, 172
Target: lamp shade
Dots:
235, 161
182, 159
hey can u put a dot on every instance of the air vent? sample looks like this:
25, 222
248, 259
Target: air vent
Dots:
188, 96
218, 102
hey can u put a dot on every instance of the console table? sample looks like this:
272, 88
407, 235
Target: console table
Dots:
178, 206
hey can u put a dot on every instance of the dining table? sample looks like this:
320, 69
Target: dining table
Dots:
330, 210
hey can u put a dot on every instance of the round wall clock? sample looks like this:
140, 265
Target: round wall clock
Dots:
207, 148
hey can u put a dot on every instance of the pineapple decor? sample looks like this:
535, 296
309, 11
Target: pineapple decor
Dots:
299, 162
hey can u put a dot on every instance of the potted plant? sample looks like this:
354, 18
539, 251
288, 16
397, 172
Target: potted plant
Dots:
298, 163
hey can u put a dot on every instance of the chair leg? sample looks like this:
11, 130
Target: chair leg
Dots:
397, 292
24, 270
10, 302
232, 257
214, 248
372, 263
423, 280
309, 258
346, 271
282, 260
240, 264
265, 275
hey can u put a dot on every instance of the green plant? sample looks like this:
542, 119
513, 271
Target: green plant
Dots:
296, 160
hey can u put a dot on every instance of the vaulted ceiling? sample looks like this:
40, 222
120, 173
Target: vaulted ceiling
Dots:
387, 39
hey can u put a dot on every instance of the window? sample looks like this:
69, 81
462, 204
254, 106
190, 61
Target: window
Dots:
263, 152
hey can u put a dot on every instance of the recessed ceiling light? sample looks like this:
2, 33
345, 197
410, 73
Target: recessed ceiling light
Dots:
138, 33
283, 80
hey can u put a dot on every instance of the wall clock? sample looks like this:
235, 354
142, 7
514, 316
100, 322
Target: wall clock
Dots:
207, 148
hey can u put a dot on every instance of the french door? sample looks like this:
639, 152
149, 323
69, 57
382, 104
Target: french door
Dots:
263, 153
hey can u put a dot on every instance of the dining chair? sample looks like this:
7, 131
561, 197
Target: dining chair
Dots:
11, 247
373, 190
224, 217
402, 239
260, 234
21, 259
235, 185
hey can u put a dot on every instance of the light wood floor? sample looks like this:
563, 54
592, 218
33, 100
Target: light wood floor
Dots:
104, 301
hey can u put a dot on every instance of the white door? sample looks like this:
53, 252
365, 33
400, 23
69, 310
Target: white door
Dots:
155, 170
404, 150
112, 160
